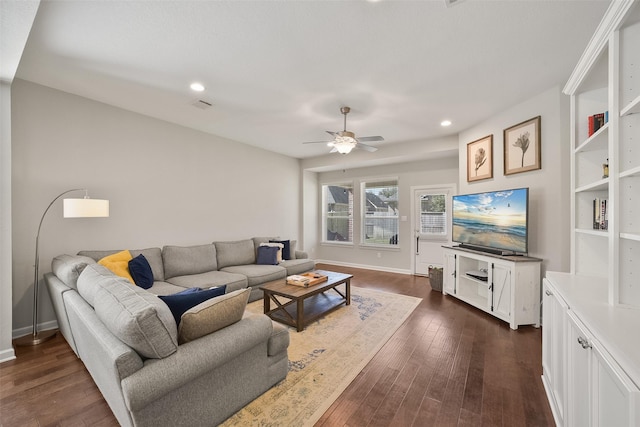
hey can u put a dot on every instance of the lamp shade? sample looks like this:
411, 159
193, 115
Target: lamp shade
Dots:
85, 208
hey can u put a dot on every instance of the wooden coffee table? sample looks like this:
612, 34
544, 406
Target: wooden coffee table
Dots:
298, 306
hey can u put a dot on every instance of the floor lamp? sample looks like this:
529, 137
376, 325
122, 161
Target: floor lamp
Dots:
72, 208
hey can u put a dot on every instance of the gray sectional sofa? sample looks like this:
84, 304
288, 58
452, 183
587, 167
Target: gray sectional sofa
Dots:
130, 344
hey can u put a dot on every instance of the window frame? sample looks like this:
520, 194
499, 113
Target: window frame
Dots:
324, 213
371, 183
446, 235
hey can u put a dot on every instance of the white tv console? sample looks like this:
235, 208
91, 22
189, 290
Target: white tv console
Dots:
511, 291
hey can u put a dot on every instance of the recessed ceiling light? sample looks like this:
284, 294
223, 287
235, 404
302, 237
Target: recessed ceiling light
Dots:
198, 87
445, 123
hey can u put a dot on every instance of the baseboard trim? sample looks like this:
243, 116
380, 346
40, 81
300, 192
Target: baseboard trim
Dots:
17, 333
365, 267
7, 355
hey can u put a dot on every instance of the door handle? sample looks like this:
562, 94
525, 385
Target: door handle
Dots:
584, 343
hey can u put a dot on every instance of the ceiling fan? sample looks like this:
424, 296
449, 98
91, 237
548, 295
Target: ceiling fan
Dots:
345, 141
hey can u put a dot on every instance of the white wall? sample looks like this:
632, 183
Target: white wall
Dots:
549, 233
166, 185
425, 172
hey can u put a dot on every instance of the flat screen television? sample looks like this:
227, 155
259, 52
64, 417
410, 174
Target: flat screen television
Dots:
495, 221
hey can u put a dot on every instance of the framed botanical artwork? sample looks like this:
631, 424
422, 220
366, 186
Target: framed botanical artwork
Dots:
480, 159
522, 147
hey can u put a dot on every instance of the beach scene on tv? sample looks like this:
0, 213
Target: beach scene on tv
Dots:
495, 220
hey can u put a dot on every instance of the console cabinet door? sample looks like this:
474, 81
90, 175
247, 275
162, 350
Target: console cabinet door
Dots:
554, 337
579, 374
615, 396
449, 274
501, 277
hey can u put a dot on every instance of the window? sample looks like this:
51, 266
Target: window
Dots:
433, 218
380, 212
337, 213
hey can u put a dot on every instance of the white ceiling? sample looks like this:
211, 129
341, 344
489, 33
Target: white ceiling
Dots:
277, 72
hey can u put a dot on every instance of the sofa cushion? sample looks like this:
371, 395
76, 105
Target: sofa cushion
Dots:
185, 260
258, 274
118, 263
165, 288
297, 266
212, 315
292, 248
268, 255
257, 241
153, 256
182, 301
67, 268
239, 252
211, 278
140, 271
136, 317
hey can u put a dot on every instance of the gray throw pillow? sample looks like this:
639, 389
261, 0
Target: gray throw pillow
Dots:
213, 315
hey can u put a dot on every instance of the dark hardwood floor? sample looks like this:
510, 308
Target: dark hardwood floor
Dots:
449, 364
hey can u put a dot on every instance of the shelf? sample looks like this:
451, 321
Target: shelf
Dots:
632, 108
601, 185
597, 141
630, 236
631, 172
591, 232
478, 281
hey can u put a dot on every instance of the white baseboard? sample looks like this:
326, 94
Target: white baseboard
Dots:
6, 355
366, 267
17, 333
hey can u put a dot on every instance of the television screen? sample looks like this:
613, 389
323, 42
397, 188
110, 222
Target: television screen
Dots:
492, 220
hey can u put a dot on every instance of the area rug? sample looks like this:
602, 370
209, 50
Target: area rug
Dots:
326, 357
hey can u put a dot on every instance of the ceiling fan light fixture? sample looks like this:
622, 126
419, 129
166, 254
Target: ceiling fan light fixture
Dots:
343, 147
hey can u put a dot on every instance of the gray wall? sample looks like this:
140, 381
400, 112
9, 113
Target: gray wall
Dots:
549, 201
410, 174
166, 184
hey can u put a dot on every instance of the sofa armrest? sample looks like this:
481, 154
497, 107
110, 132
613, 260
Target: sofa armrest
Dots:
301, 255
194, 359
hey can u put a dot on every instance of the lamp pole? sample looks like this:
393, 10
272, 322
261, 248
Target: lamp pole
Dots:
39, 337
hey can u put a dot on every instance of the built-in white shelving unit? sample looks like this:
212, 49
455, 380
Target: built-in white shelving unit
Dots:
591, 362
607, 80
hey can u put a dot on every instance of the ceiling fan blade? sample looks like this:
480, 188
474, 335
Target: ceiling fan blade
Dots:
370, 138
366, 147
331, 133
333, 150
317, 142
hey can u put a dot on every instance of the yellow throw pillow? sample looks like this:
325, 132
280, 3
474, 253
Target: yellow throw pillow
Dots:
118, 263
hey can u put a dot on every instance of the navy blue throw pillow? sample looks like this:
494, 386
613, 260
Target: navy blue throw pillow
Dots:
140, 271
267, 255
184, 300
286, 251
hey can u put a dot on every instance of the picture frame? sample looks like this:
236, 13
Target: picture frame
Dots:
522, 147
480, 159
